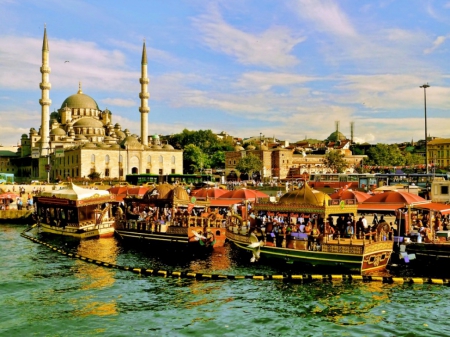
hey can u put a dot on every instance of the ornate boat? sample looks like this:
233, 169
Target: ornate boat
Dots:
167, 215
363, 252
75, 212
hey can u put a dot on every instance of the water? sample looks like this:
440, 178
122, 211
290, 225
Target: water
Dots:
44, 293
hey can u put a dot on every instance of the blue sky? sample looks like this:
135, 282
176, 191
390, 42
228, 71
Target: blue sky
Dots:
288, 69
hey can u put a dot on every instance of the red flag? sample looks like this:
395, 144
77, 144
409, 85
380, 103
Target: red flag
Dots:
190, 208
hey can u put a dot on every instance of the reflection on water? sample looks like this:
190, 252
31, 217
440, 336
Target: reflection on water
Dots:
60, 296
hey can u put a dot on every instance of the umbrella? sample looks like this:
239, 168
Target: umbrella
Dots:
350, 194
212, 193
244, 194
8, 195
395, 197
122, 191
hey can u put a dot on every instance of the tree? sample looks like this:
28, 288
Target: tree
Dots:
385, 155
249, 164
335, 161
207, 142
194, 159
94, 175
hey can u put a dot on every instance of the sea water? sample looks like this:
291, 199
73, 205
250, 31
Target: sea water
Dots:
44, 293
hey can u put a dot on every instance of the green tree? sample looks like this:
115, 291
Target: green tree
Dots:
94, 175
385, 155
207, 142
249, 164
194, 159
335, 161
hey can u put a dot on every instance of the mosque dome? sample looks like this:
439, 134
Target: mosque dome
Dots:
336, 136
80, 101
90, 146
88, 122
305, 195
115, 147
156, 147
264, 147
251, 147
238, 148
168, 147
58, 132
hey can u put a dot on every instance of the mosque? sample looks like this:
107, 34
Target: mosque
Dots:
80, 139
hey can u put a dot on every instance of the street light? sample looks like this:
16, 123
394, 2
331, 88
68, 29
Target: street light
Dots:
425, 86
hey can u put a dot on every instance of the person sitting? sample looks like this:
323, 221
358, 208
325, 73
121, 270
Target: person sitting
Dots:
349, 230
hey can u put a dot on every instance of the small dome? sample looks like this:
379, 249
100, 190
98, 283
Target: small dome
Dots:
305, 195
88, 122
251, 148
24, 136
130, 140
238, 148
156, 147
155, 137
161, 191
80, 137
90, 146
336, 136
264, 147
58, 132
80, 101
115, 147
180, 193
168, 147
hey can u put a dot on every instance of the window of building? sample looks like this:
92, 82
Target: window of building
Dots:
173, 159
120, 159
149, 159
161, 159
107, 159
93, 158
444, 189
107, 172
147, 171
173, 171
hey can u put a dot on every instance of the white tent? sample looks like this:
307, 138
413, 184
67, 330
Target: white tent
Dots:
74, 192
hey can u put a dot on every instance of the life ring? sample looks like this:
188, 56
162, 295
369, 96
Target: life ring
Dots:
342, 204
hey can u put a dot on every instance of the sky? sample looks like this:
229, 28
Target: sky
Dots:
289, 69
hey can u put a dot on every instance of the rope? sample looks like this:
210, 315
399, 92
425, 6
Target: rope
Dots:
303, 278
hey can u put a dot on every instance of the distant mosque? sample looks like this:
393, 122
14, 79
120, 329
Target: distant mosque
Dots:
80, 139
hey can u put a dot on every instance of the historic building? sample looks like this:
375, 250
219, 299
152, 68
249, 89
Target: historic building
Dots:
79, 138
439, 152
280, 162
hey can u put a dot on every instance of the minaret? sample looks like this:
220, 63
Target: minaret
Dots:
45, 101
144, 96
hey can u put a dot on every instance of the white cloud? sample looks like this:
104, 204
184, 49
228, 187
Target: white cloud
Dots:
326, 16
436, 43
271, 48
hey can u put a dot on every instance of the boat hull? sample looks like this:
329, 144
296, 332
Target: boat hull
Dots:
170, 235
102, 231
356, 258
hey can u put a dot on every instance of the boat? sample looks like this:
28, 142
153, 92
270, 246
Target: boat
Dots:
424, 235
75, 212
362, 252
166, 215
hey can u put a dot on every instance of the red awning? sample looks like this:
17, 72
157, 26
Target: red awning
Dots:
434, 206
224, 202
379, 207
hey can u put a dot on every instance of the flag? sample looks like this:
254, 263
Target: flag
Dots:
190, 208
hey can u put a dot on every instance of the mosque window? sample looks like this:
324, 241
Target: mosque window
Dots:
93, 158
149, 159
120, 159
161, 159
107, 172
173, 159
107, 159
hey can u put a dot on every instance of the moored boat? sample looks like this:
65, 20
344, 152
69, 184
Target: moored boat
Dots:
166, 215
264, 237
75, 212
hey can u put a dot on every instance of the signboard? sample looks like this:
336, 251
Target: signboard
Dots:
59, 151
48, 167
35, 152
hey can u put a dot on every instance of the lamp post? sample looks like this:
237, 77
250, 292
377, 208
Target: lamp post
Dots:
425, 86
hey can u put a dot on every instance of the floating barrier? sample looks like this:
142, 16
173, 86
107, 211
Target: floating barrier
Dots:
306, 278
